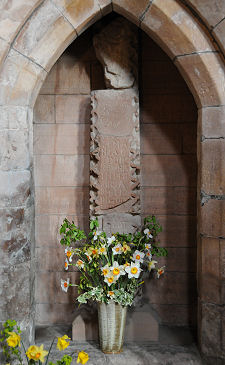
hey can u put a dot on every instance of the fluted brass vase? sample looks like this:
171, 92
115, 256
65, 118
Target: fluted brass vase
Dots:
111, 320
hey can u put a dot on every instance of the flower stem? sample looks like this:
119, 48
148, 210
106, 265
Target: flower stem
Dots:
46, 362
25, 352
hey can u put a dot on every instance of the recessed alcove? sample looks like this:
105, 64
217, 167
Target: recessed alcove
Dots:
168, 130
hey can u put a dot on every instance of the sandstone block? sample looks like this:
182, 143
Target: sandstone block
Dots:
21, 79
15, 117
15, 247
205, 76
136, 329
81, 14
45, 287
48, 87
61, 170
44, 258
211, 122
210, 271
168, 170
69, 297
180, 260
210, 335
49, 314
68, 70
15, 298
181, 315
212, 173
47, 228
212, 217
169, 200
174, 29
46, 43
161, 139
73, 109
14, 188
13, 15
106, 6
44, 109
62, 200
130, 9
4, 48
211, 11
119, 222
178, 231
68, 139
219, 33
183, 289
172, 108
85, 325
14, 150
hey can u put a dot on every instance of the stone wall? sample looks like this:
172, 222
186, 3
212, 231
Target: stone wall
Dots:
61, 171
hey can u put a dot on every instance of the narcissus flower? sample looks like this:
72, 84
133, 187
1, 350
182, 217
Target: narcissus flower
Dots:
82, 357
66, 265
148, 233
110, 279
62, 343
88, 256
151, 265
133, 270
69, 253
149, 255
13, 340
102, 250
160, 272
117, 270
36, 353
126, 248
117, 250
65, 284
92, 251
110, 240
148, 246
138, 256
105, 270
96, 234
80, 264
110, 294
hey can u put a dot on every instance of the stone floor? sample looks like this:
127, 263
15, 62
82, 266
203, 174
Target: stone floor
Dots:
133, 353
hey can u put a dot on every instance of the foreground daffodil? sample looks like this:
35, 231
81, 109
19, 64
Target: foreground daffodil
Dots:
82, 357
36, 353
13, 340
62, 343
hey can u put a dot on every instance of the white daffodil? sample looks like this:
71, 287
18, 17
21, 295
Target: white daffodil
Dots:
138, 256
110, 279
148, 246
66, 265
133, 270
102, 250
88, 256
65, 284
151, 265
69, 253
110, 240
110, 294
117, 250
117, 270
96, 234
148, 233
149, 255
92, 251
105, 270
160, 272
80, 264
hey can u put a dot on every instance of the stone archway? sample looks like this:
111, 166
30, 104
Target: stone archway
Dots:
28, 59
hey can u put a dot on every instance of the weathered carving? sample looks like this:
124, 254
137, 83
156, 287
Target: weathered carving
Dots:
115, 158
116, 48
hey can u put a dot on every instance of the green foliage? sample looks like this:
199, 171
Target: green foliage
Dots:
70, 233
66, 360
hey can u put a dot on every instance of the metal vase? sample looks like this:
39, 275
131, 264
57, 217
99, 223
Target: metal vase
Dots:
111, 321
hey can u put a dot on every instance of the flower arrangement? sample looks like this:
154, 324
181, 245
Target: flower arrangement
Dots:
111, 268
35, 355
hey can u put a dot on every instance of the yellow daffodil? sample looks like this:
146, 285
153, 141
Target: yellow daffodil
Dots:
82, 357
36, 353
62, 343
13, 340
126, 248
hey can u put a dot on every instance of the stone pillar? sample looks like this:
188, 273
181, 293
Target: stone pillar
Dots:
115, 137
